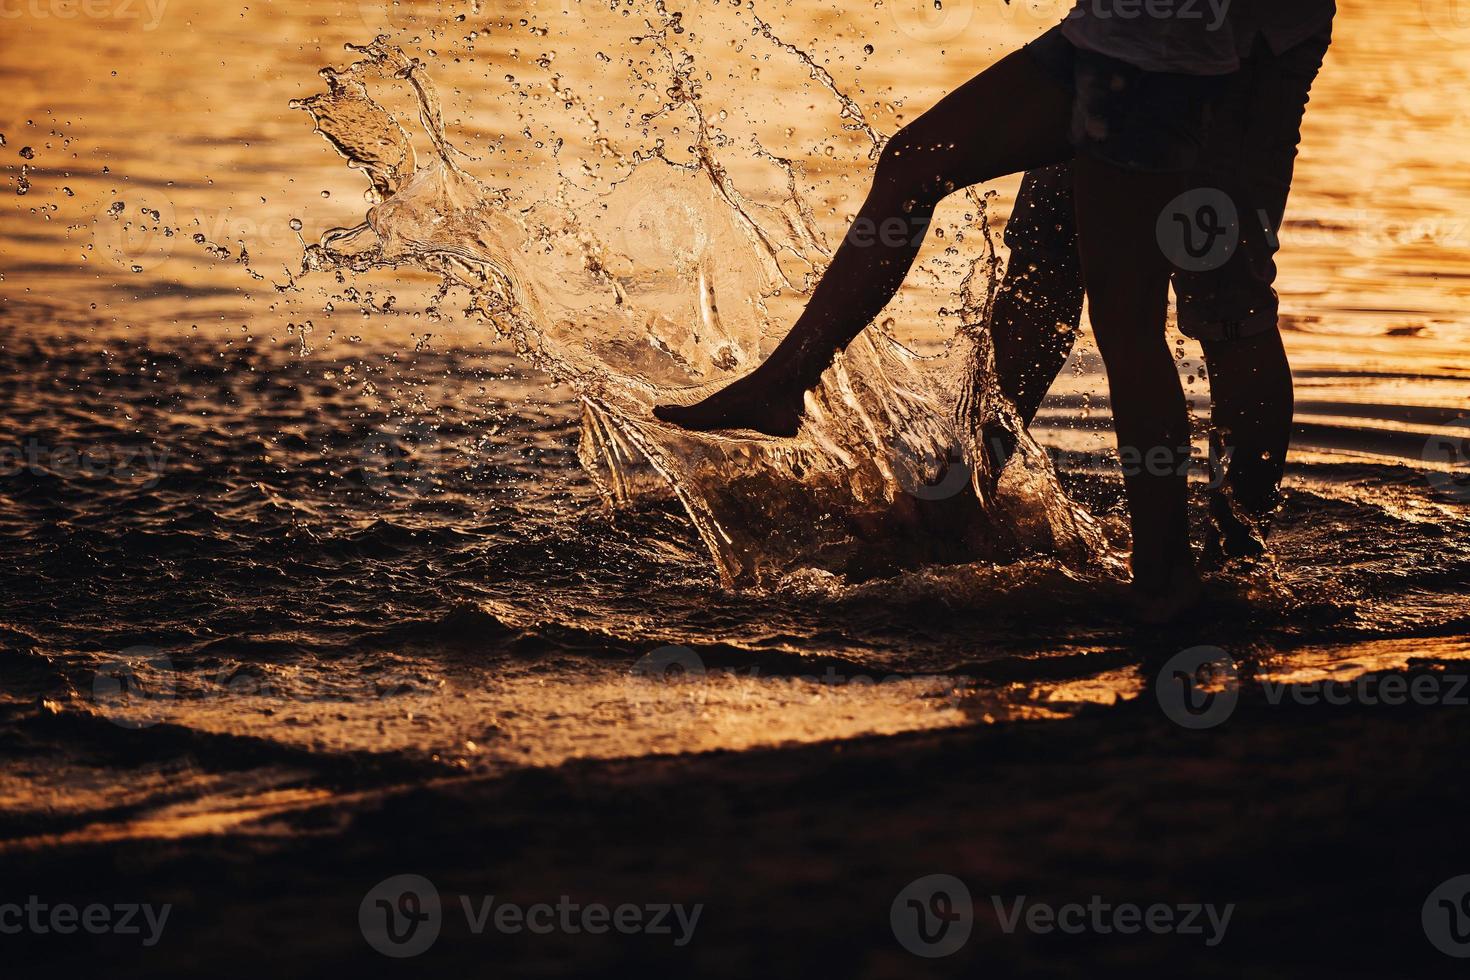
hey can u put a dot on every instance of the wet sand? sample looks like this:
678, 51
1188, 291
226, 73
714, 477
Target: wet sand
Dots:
1325, 826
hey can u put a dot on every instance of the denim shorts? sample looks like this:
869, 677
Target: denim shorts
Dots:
1148, 121
1236, 143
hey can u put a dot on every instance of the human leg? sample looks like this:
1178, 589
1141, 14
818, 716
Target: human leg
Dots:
1027, 111
1230, 304
1127, 278
1039, 303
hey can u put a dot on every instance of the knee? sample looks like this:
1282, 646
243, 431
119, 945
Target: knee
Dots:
912, 161
902, 148
1130, 296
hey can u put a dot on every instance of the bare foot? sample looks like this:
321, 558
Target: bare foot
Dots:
750, 403
1233, 535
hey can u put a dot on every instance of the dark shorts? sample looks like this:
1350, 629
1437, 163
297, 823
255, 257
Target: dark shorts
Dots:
1235, 136
1139, 120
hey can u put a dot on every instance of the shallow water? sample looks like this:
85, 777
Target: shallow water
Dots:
305, 540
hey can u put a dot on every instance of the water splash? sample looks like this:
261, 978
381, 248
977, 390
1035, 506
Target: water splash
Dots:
655, 280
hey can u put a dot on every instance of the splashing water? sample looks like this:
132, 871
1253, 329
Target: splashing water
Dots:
648, 278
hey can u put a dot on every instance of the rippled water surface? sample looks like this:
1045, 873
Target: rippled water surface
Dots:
306, 532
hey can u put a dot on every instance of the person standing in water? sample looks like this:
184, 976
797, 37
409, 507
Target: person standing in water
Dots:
1142, 129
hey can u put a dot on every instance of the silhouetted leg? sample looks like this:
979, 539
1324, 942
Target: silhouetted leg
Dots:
1232, 308
1127, 279
1251, 410
1039, 303
1012, 116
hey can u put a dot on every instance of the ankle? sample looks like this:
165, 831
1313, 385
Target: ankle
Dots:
1161, 573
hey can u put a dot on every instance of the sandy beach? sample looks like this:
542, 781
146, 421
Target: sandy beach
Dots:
1326, 827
